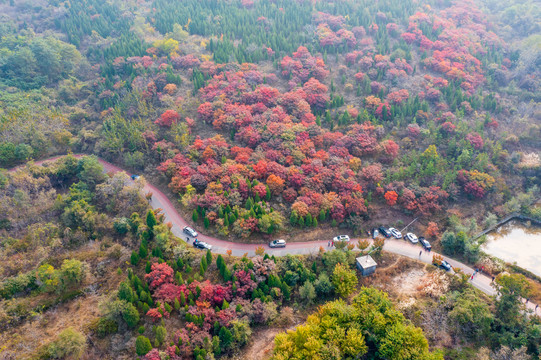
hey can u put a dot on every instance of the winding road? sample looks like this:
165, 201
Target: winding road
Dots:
400, 247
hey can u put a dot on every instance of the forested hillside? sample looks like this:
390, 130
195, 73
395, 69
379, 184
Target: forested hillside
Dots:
262, 119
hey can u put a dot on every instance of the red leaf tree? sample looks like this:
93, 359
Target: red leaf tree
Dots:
391, 197
160, 274
168, 118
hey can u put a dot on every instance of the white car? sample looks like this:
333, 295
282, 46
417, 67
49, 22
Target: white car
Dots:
277, 243
412, 237
341, 238
397, 234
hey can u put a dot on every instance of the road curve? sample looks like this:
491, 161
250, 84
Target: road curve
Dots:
400, 247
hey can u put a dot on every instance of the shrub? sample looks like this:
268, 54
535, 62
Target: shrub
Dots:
344, 280
161, 333
70, 344
130, 315
121, 225
226, 338
142, 345
121, 310
104, 327
125, 292
307, 292
72, 272
323, 285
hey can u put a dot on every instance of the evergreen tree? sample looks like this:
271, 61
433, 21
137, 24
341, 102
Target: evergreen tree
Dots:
151, 219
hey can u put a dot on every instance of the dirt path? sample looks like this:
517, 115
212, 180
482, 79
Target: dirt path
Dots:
400, 247
262, 345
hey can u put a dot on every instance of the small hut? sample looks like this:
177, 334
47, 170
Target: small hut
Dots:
366, 265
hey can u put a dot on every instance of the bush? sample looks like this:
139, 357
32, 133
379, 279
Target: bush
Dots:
344, 280
161, 333
125, 292
323, 285
142, 345
307, 292
104, 327
134, 259
331, 258
70, 344
241, 331
130, 315
121, 225
17, 284
121, 310
72, 272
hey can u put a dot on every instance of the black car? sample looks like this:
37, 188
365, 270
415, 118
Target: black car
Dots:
201, 245
385, 232
445, 266
425, 243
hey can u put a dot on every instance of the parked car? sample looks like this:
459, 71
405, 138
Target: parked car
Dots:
201, 245
384, 231
425, 243
188, 230
277, 243
412, 237
341, 238
134, 177
397, 234
445, 265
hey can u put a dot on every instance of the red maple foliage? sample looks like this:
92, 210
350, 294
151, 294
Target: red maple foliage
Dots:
391, 197
475, 140
160, 274
391, 148
168, 118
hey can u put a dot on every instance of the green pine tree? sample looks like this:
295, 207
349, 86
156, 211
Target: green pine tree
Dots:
151, 219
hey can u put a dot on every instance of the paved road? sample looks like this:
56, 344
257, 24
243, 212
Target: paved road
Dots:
400, 247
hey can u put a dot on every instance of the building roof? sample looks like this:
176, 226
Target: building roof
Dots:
366, 261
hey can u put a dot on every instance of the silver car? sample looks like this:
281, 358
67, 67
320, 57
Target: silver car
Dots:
191, 232
277, 243
412, 237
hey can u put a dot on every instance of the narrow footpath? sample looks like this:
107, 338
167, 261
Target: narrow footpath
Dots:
400, 247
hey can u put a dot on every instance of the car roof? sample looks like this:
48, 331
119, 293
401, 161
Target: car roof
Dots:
279, 240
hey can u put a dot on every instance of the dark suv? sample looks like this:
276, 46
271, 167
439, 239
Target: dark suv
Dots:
201, 245
445, 266
425, 243
384, 231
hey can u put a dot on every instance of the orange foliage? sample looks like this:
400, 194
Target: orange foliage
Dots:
391, 197
275, 183
432, 230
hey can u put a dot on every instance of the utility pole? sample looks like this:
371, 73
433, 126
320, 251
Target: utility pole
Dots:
414, 220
